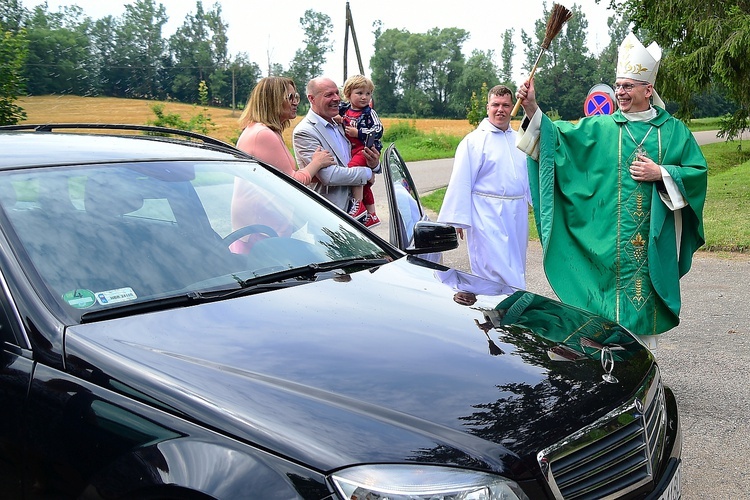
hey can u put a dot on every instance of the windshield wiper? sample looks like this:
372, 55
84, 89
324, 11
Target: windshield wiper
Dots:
174, 301
274, 281
311, 270
131, 308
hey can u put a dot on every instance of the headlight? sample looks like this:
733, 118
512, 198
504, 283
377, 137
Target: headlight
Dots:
422, 482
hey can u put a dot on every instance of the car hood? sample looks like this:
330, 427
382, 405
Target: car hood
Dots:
406, 362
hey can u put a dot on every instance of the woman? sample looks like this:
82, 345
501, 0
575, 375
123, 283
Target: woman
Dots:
270, 109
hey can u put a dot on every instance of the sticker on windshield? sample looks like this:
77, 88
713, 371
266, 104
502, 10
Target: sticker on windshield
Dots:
110, 297
80, 299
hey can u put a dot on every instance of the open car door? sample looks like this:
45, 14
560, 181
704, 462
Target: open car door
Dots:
410, 229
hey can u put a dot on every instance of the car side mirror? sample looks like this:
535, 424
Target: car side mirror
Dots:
432, 237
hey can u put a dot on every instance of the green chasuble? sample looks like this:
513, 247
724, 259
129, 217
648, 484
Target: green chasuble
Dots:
611, 245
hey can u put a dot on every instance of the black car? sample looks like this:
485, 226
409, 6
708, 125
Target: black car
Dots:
180, 320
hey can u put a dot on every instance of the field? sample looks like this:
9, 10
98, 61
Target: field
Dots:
74, 109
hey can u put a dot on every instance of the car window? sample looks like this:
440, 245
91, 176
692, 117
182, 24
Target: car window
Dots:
98, 236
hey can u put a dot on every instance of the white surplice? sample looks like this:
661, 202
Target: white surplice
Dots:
488, 196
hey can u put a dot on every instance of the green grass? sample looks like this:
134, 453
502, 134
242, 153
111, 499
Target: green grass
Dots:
724, 156
701, 124
428, 147
726, 216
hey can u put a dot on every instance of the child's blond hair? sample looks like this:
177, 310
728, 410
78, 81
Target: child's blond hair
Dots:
355, 82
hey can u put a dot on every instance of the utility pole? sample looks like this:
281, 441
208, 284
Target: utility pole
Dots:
268, 55
234, 91
350, 26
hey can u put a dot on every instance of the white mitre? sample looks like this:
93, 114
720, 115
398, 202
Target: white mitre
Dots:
637, 62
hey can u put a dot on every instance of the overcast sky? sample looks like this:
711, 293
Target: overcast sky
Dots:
271, 29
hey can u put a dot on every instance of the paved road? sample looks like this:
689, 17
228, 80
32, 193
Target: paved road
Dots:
709, 136
705, 360
433, 174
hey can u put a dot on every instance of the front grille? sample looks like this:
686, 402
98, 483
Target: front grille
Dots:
617, 454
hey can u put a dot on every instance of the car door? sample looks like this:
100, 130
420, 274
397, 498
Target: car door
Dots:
404, 206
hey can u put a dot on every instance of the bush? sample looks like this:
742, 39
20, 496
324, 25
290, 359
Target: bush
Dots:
170, 120
435, 142
401, 130
200, 123
478, 107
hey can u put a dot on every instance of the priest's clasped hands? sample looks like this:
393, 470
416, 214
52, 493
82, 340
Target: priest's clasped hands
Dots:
643, 169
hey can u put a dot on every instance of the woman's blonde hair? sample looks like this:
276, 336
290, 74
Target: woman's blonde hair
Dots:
266, 103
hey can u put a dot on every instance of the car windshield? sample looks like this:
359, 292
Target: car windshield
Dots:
98, 237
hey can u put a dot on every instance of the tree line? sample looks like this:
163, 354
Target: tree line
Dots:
415, 74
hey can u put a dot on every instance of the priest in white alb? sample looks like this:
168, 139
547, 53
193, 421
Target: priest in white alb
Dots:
487, 198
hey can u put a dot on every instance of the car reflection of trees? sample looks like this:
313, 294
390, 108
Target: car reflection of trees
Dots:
521, 418
345, 244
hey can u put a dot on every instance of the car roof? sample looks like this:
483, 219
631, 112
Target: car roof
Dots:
31, 149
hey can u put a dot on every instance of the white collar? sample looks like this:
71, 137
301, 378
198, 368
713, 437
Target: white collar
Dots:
487, 125
641, 116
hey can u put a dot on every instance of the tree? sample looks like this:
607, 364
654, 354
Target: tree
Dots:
105, 76
308, 62
445, 66
477, 109
59, 59
419, 73
138, 49
12, 15
432, 65
705, 44
712, 103
275, 69
386, 70
221, 77
245, 76
13, 50
479, 75
509, 48
567, 70
12, 58
618, 28
574, 58
198, 49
